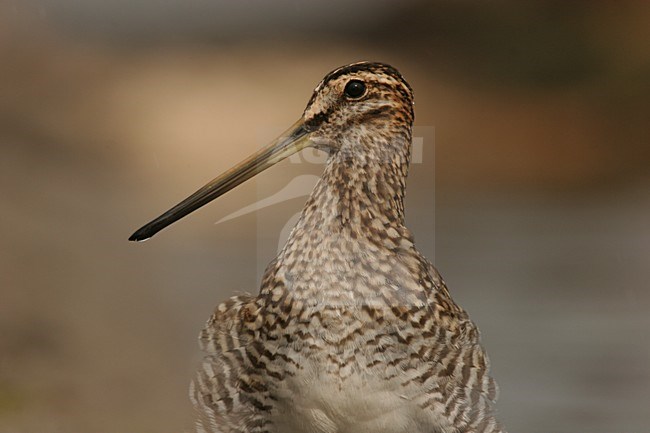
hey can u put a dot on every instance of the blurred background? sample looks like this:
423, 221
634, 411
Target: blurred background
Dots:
531, 192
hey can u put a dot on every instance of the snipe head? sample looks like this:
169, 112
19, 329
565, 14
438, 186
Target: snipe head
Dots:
361, 113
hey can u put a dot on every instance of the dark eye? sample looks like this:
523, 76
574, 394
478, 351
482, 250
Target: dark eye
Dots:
355, 89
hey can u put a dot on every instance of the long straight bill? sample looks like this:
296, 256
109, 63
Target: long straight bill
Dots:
291, 141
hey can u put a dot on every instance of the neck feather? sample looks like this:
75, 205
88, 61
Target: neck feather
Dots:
361, 189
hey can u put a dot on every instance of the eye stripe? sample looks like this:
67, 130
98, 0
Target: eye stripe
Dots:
319, 118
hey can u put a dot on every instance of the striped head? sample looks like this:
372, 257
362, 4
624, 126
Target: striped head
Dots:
359, 103
361, 113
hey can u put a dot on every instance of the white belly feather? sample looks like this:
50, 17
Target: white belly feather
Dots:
315, 401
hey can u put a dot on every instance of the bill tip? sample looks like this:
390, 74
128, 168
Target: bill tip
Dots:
139, 237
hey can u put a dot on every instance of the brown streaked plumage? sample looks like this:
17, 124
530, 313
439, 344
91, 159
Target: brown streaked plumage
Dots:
353, 330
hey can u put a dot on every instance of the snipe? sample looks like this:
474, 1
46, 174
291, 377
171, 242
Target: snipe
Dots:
353, 330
